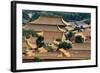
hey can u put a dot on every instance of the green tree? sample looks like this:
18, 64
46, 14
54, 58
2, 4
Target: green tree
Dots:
27, 33
79, 39
70, 35
40, 42
37, 59
65, 45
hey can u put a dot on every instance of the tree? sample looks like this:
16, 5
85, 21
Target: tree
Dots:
40, 42
27, 33
65, 45
70, 35
79, 39
37, 59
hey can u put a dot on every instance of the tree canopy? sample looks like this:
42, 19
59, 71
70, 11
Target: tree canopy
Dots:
67, 16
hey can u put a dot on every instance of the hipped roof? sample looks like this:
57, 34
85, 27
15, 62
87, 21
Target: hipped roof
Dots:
48, 20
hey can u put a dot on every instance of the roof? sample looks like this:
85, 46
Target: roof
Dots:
40, 27
48, 20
